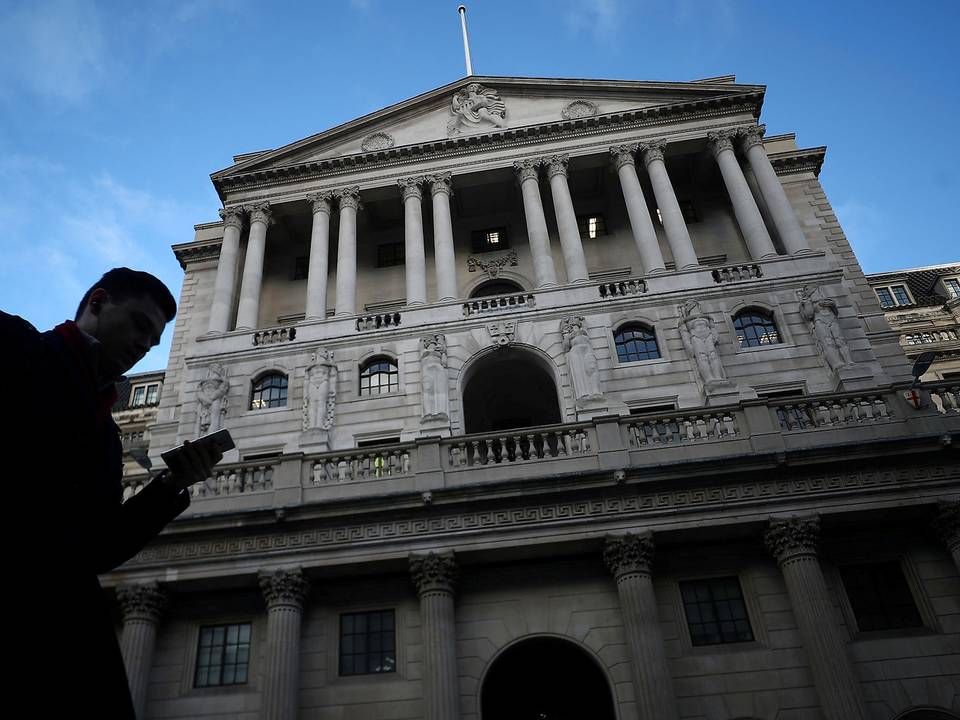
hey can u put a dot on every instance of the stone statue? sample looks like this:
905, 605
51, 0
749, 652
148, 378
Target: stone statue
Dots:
823, 316
474, 106
700, 340
320, 396
581, 360
434, 385
212, 400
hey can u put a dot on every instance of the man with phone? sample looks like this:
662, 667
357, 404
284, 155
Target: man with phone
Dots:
66, 458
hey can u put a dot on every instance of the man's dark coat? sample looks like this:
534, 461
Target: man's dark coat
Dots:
68, 525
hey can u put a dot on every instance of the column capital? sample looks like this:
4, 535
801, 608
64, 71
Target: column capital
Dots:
557, 164
348, 197
320, 202
441, 182
410, 187
720, 140
622, 155
232, 216
527, 169
434, 572
947, 523
750, 136
628, 554
284, 587
652, 150
260, 212
791, 537
141, 602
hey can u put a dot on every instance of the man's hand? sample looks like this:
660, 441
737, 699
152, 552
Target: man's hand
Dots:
192, 465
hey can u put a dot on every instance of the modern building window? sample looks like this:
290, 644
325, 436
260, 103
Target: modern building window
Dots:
223, 655
391, 254
269, 391
379, 376
368, 643
715, 611
635, 342
145, 395
756, 327
953, 287
592, 226
489, 240
893, 296
879, 596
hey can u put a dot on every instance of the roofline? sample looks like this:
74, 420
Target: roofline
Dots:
902, 271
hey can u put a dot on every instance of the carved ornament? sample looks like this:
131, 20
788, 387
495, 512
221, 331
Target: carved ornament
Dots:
557, 165
232, 216
527, 169
623, 155
720, 141
751, 136
284, 588
441, 182
630, 554
792, 537
141, 602
260, 212
320, 202
377, 141
579, 109
197, 254
502, 333
434, 572
492, 265
348, 197
652, 150
475, 108
410, 187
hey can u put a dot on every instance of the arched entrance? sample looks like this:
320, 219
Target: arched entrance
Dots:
545, 678
509, 388
928, 713
499, 286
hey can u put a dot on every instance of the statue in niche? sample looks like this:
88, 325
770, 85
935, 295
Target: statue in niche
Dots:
823, 316
700, 340
474, 106
581, 360
434, 385
212, 400
320, 396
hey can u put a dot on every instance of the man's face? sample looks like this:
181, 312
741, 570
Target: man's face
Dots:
126, 330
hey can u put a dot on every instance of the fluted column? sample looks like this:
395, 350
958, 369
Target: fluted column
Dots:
793, 542
141, 606
545, 274
284, 592
226, 269
349, 201
947, 525
415, 264
675, 226
744, 206
248, 312
630, 557
434, 576
570, 243
444, 257
644, 234
784, 217
319, 256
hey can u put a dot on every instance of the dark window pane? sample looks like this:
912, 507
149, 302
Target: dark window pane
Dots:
886, 299
715, 611
222, 655
379, 376
755, 328
636, 342
900, 293
880, 597
369, 645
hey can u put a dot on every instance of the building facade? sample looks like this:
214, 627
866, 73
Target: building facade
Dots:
552, 399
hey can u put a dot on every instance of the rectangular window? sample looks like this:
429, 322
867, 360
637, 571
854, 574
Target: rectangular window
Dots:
138, 394
592, 226
953, 287
223, 655
879, 596
900, 293
367, 643
715, 611
153, 394
391, 254
489, 240
301, 267
885, 298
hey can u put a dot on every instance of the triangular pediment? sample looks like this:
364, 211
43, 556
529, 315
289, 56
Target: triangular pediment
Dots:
478, 105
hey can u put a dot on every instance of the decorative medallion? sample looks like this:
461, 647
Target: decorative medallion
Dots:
475, 108
492, 265
377, 141
580, 109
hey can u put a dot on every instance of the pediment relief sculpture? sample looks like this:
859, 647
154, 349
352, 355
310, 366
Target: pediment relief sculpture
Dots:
579, 109
377, 141
475, 108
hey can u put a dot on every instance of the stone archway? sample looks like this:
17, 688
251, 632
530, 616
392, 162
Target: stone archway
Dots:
497, 286
545, 678
927, 713
509, 388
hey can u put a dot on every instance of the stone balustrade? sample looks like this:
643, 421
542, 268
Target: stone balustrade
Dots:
672, 429
272, 336
734, 273
360, 465
835, 412
495, 303
236, 479
929, 337
621, 288
378, 321
517, 446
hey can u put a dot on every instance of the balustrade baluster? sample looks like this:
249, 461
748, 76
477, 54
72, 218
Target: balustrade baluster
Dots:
475, 455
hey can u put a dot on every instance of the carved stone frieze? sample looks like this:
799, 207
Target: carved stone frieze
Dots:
141, 602
197, 253
284, 587
377, 141
502, 333
492, 265
434, 572
475, 108
579, 109
791, 537
629, 554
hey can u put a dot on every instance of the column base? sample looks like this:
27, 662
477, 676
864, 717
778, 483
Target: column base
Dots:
656, 271
804, 251
769, 255
691, 266
547, 286
581, 281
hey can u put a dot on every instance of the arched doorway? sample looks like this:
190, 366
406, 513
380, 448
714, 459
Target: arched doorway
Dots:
545, 678
927, 713
500, 286
509, 388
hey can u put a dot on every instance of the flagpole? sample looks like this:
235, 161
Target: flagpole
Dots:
466, 42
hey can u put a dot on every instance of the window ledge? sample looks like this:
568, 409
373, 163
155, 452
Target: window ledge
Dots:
894, 634
727, 648
763, 348
261, 411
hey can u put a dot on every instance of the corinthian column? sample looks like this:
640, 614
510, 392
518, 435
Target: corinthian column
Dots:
670, 214
793, 543
415, 263
226, 269
644, 235
572, 247
744, 206
319, 256
544, 272
794, 241
629, 557
349, 201
435, 576
947, 525
284, 592
249, 311
443, 252
141, 606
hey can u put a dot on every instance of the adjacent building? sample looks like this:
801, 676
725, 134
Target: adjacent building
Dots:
552, 399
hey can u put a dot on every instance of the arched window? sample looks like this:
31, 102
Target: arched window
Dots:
636, 342
269, 391
378, 376
756, 327
496, 287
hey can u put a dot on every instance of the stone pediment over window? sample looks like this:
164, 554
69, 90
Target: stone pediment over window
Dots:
483, 105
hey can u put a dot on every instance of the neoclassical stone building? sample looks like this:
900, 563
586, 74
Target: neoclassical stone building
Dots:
553, 399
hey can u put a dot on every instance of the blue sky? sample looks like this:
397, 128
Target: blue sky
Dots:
113, 114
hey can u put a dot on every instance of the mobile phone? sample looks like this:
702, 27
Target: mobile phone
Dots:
217, 444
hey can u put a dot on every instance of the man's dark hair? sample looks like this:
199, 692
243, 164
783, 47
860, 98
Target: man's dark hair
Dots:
123, 283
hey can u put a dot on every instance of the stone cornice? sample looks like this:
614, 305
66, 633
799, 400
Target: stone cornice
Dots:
209, 250
654, 116
794, 162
